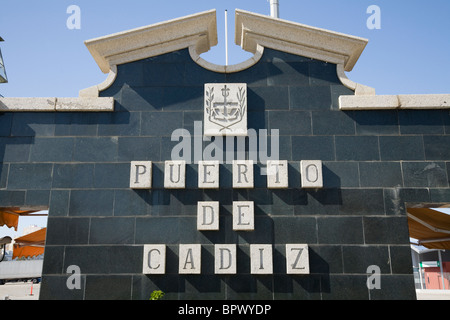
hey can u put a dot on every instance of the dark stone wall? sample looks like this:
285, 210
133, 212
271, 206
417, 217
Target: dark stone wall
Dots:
78, 165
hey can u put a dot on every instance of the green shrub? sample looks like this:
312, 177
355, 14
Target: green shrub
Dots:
157, 295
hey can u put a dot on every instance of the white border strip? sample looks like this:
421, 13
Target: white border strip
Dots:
413, 101
104, 104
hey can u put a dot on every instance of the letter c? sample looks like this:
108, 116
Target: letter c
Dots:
150, 257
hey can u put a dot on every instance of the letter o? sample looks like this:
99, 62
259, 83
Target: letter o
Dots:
312, 173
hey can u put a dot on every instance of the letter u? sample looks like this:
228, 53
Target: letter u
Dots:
171, 173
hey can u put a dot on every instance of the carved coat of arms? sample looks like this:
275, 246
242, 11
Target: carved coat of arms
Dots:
225, 109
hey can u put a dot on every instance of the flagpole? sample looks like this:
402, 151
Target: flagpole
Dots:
226, 37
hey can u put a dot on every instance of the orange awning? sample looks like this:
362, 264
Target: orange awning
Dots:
430, 227
10, 216
11, 220
36, 238
28, 251
30, 245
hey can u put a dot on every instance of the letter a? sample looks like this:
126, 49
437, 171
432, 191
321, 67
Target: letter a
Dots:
374, 280
374, 21
189, 259
74, 281
74, 21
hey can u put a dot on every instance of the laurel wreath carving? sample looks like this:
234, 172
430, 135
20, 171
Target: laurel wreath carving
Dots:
241, 98
209, 99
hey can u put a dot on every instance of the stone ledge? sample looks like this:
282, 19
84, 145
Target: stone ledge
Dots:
334, 47
94, 91
197, 30
383, 102
105, 104
255, 30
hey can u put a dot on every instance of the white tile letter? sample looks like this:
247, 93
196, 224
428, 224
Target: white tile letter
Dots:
297, 259
208, 174
175, 174
261, 258
154, 259
225, 259
242, 174
189, 259
243, 216
311, 172
277, 174
141, 175
208, 215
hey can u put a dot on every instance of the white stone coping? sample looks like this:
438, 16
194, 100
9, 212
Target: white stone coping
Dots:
382, 102
199, 33
104, 104
229, 68
357, 87
94, 91
296, 38
197, 30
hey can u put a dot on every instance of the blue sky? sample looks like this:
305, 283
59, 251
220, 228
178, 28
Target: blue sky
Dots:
408, 55
43, 58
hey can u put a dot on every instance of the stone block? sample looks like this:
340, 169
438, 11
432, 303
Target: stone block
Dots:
175, 174
112, 175
154, 259
95, 149
86, 104
370, 174
277, 174
340, 230
290, 122
243, 216
33, 124
313, 147
208, 215
159, 124
189, 259
243, 174
141, 175
91, 202
73, 175
297, 259
310, 98
225, 109
225, 259
261, 259
311, 174
36, 176
357, 148
104, 230
208, 174
52, 150
343, 124
27, 104
400, 148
